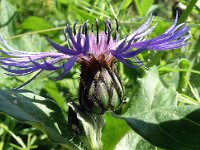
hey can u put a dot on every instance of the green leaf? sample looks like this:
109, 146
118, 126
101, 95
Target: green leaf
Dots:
33, 43
113, 131
34, 23
7, 12
125, 4
37, 111
170, 128
63, 2
54, 93
154, 114
142, 6
151, 93
132, 141
71, 85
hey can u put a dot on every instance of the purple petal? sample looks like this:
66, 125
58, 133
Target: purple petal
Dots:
137, 36
142, 30
121, 45
27, 82
14, 64
86, 44
44, 66
173, 25
125, 62
67, 66
133, 53
130, 54
169, 40
128, 46
5, 44
75, 44
29, 70
79, 35
62, 49
168, 47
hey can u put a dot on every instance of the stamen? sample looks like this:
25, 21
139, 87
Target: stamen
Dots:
97, 26
116, 31
83, 28
117, 24
92, 27
109, 32
108, 21
69, 43
86, 28
68, 28
79, 35
107, 29
65, 32
105, 24
116, 35
75, 28
78, 38
75, 44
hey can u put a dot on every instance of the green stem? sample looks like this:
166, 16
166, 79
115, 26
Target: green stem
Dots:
92, 125
166, 69
94, 134
186, 13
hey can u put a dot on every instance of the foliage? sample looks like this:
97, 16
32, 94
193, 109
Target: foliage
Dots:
162, 103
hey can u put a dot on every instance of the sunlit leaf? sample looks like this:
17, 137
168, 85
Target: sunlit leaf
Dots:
39, 112
170, 128
113, 131
154, 114
35, 23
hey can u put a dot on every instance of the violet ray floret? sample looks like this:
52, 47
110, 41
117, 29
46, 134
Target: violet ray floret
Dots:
14, 64
87, 47
31, 79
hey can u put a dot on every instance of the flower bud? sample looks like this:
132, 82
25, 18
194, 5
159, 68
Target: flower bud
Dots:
100, 87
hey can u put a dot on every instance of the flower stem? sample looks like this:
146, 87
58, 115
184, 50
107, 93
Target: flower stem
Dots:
94, 134
92, 125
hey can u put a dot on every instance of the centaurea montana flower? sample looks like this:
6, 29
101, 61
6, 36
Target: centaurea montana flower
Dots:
95, 52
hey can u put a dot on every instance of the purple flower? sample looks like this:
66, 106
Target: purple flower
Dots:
99, 47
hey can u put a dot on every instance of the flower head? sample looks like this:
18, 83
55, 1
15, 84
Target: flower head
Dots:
93, 48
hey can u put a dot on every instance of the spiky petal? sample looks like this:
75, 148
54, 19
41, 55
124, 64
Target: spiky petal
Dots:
87, 47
